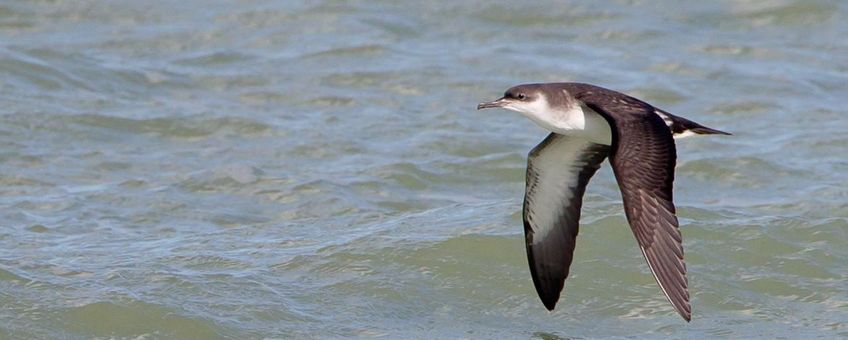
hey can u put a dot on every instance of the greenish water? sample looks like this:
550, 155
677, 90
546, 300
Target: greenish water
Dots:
264, 169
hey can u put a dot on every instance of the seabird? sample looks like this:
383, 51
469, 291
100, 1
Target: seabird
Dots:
588, 124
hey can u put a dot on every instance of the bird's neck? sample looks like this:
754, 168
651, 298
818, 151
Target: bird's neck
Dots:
576, 120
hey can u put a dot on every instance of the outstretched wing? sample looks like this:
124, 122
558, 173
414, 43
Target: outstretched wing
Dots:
643, 159
558, 170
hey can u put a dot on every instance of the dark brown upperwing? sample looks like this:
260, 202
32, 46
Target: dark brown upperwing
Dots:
643, 158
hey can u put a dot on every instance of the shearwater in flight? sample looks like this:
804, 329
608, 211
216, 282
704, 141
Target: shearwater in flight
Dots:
588, 124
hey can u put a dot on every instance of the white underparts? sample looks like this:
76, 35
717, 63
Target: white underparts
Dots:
576, 120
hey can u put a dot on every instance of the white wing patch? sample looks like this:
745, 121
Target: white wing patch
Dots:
684, 134
665, 118
553, 175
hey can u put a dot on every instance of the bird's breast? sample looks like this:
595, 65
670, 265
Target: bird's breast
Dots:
581, 121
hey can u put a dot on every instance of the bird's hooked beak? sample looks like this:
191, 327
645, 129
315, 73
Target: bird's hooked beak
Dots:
495, 103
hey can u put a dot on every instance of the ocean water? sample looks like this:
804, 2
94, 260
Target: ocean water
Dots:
292, 169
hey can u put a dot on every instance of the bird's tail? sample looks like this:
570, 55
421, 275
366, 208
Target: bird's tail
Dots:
682, 127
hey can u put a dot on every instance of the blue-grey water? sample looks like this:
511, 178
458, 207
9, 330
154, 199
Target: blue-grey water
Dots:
282, 169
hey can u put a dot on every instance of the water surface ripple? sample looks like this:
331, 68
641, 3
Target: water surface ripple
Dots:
265, 169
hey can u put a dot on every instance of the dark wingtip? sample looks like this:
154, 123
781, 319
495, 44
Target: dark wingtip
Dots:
549, 292
685, 311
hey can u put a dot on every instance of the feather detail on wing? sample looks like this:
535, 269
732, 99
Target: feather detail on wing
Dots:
643, 158
558, 170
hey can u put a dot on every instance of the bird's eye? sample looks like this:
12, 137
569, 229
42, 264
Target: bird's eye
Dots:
522, 96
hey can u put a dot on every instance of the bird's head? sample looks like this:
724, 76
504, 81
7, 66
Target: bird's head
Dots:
553, 108
548, 105
526, 99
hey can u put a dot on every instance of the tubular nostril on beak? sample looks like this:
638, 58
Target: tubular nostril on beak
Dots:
497, 103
